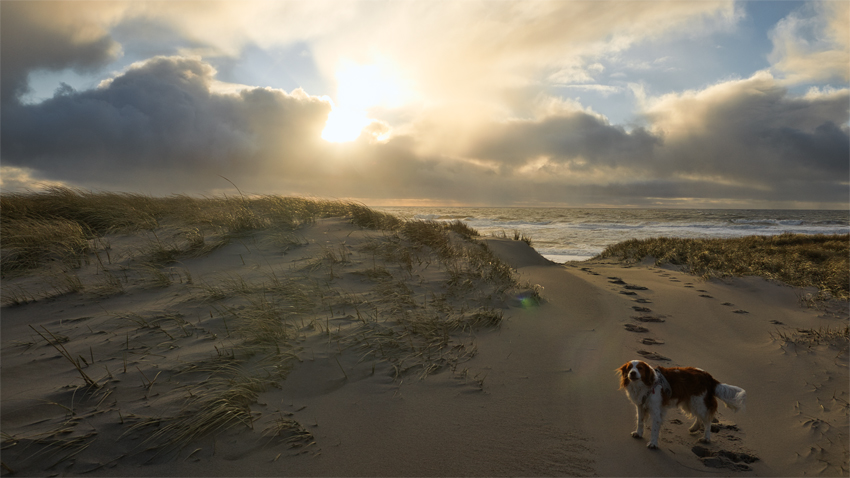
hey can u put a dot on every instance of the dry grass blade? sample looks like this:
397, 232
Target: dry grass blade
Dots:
298, 436
218, 404
56, 344
30, 242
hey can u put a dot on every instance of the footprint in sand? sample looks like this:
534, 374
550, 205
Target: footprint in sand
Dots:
653, 355
728, 304
628, 292
740, 311
643, 301
635, 328
776, 322
651, 341
737, 461
648, 318
635, 287
641, 309
615, 280
706, 296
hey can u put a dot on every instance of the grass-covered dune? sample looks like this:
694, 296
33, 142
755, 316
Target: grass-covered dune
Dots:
64, 224
211, 302
800, 260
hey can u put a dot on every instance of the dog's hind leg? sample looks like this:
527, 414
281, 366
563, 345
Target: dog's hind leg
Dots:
695, 427
706, 422
703, 413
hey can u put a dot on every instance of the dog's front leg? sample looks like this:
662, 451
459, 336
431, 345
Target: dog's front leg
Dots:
640, 411
657, 417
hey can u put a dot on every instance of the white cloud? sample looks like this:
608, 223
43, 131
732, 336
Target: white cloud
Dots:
15, 180
604, 90
813, 44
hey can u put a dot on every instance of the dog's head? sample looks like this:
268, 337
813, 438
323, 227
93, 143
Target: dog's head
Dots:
634, 371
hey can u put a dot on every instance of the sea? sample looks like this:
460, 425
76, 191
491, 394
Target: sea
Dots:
574, 234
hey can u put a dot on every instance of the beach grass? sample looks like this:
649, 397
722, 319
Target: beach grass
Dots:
409, 298
63, 224
801, 260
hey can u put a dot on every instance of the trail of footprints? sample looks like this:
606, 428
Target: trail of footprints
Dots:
644, 317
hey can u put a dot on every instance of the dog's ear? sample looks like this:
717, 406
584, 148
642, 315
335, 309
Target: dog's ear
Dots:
624, 380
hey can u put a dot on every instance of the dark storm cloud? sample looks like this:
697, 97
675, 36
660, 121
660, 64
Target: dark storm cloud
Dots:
42, 36
738, 140
579, 138
753, 130
161, 124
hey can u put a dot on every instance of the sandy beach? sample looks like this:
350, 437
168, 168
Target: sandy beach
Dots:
402, 365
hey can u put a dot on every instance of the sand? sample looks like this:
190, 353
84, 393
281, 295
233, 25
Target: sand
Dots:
534, 396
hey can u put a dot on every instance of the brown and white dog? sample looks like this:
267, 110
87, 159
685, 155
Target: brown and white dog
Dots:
691, 389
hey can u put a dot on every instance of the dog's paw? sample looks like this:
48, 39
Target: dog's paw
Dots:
705, 440
652, 446
637, 435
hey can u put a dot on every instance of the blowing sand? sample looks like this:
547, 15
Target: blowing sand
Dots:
534, 393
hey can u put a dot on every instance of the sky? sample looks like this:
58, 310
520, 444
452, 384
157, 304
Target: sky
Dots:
700, 104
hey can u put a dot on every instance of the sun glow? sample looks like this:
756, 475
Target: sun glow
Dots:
360, 88
344, 125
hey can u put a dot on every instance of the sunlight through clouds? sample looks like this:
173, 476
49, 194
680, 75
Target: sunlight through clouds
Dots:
359, 88
344, 124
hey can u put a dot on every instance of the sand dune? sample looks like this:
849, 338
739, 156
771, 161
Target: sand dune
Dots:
503, 385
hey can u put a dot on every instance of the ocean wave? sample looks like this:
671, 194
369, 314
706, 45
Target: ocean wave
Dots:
559, 233
770, 222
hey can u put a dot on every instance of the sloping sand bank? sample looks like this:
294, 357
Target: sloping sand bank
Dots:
535, 395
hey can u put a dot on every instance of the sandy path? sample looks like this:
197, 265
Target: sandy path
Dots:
796, 421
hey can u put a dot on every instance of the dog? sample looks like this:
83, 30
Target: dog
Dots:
695, 391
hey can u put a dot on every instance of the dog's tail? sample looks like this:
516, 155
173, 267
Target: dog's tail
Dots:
732, 396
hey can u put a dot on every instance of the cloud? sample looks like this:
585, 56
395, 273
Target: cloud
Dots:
481, 131
812, 44
577, 139
753, 131
14, 179
740, 140
603, 90
161, 127
160, 124
52, 36
467, 52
